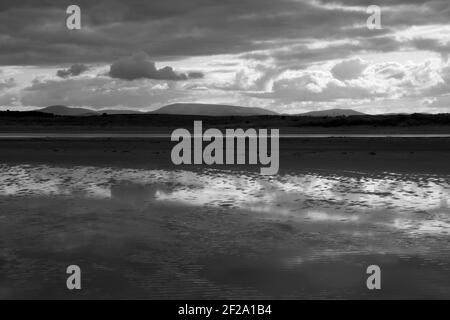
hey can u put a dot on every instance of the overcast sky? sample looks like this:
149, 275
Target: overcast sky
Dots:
285, 55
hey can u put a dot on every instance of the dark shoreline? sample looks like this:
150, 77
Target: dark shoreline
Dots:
165, 123
390, 154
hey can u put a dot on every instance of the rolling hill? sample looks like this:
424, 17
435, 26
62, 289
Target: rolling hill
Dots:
67, 111
211, 110
332, 113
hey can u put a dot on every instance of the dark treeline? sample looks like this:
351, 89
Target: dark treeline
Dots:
33, 118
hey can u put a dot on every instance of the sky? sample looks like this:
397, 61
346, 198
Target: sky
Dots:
289, 56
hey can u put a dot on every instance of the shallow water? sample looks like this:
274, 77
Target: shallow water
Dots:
222, 234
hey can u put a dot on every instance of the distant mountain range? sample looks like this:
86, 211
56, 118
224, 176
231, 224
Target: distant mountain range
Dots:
195, 109
178, 108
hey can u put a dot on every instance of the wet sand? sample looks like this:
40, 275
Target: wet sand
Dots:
414, 155
141, 228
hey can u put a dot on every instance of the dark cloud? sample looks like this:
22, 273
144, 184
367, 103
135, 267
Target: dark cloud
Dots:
196, 75
139, 66
300, 56
74, 70
432, 45
34, 33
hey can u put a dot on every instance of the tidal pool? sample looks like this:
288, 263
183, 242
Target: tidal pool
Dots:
221, 234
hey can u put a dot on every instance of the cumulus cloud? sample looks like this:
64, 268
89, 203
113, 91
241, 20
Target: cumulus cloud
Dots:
355, 81
74, 70
139, 66
382, 87
349, 69
104, 92
6, 83
315, 86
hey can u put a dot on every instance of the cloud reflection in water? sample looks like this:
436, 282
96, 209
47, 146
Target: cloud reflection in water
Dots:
417, 203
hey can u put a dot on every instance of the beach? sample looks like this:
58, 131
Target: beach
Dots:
140, 227
225, 150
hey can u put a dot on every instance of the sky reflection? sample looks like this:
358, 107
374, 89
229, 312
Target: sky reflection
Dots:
416, 203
